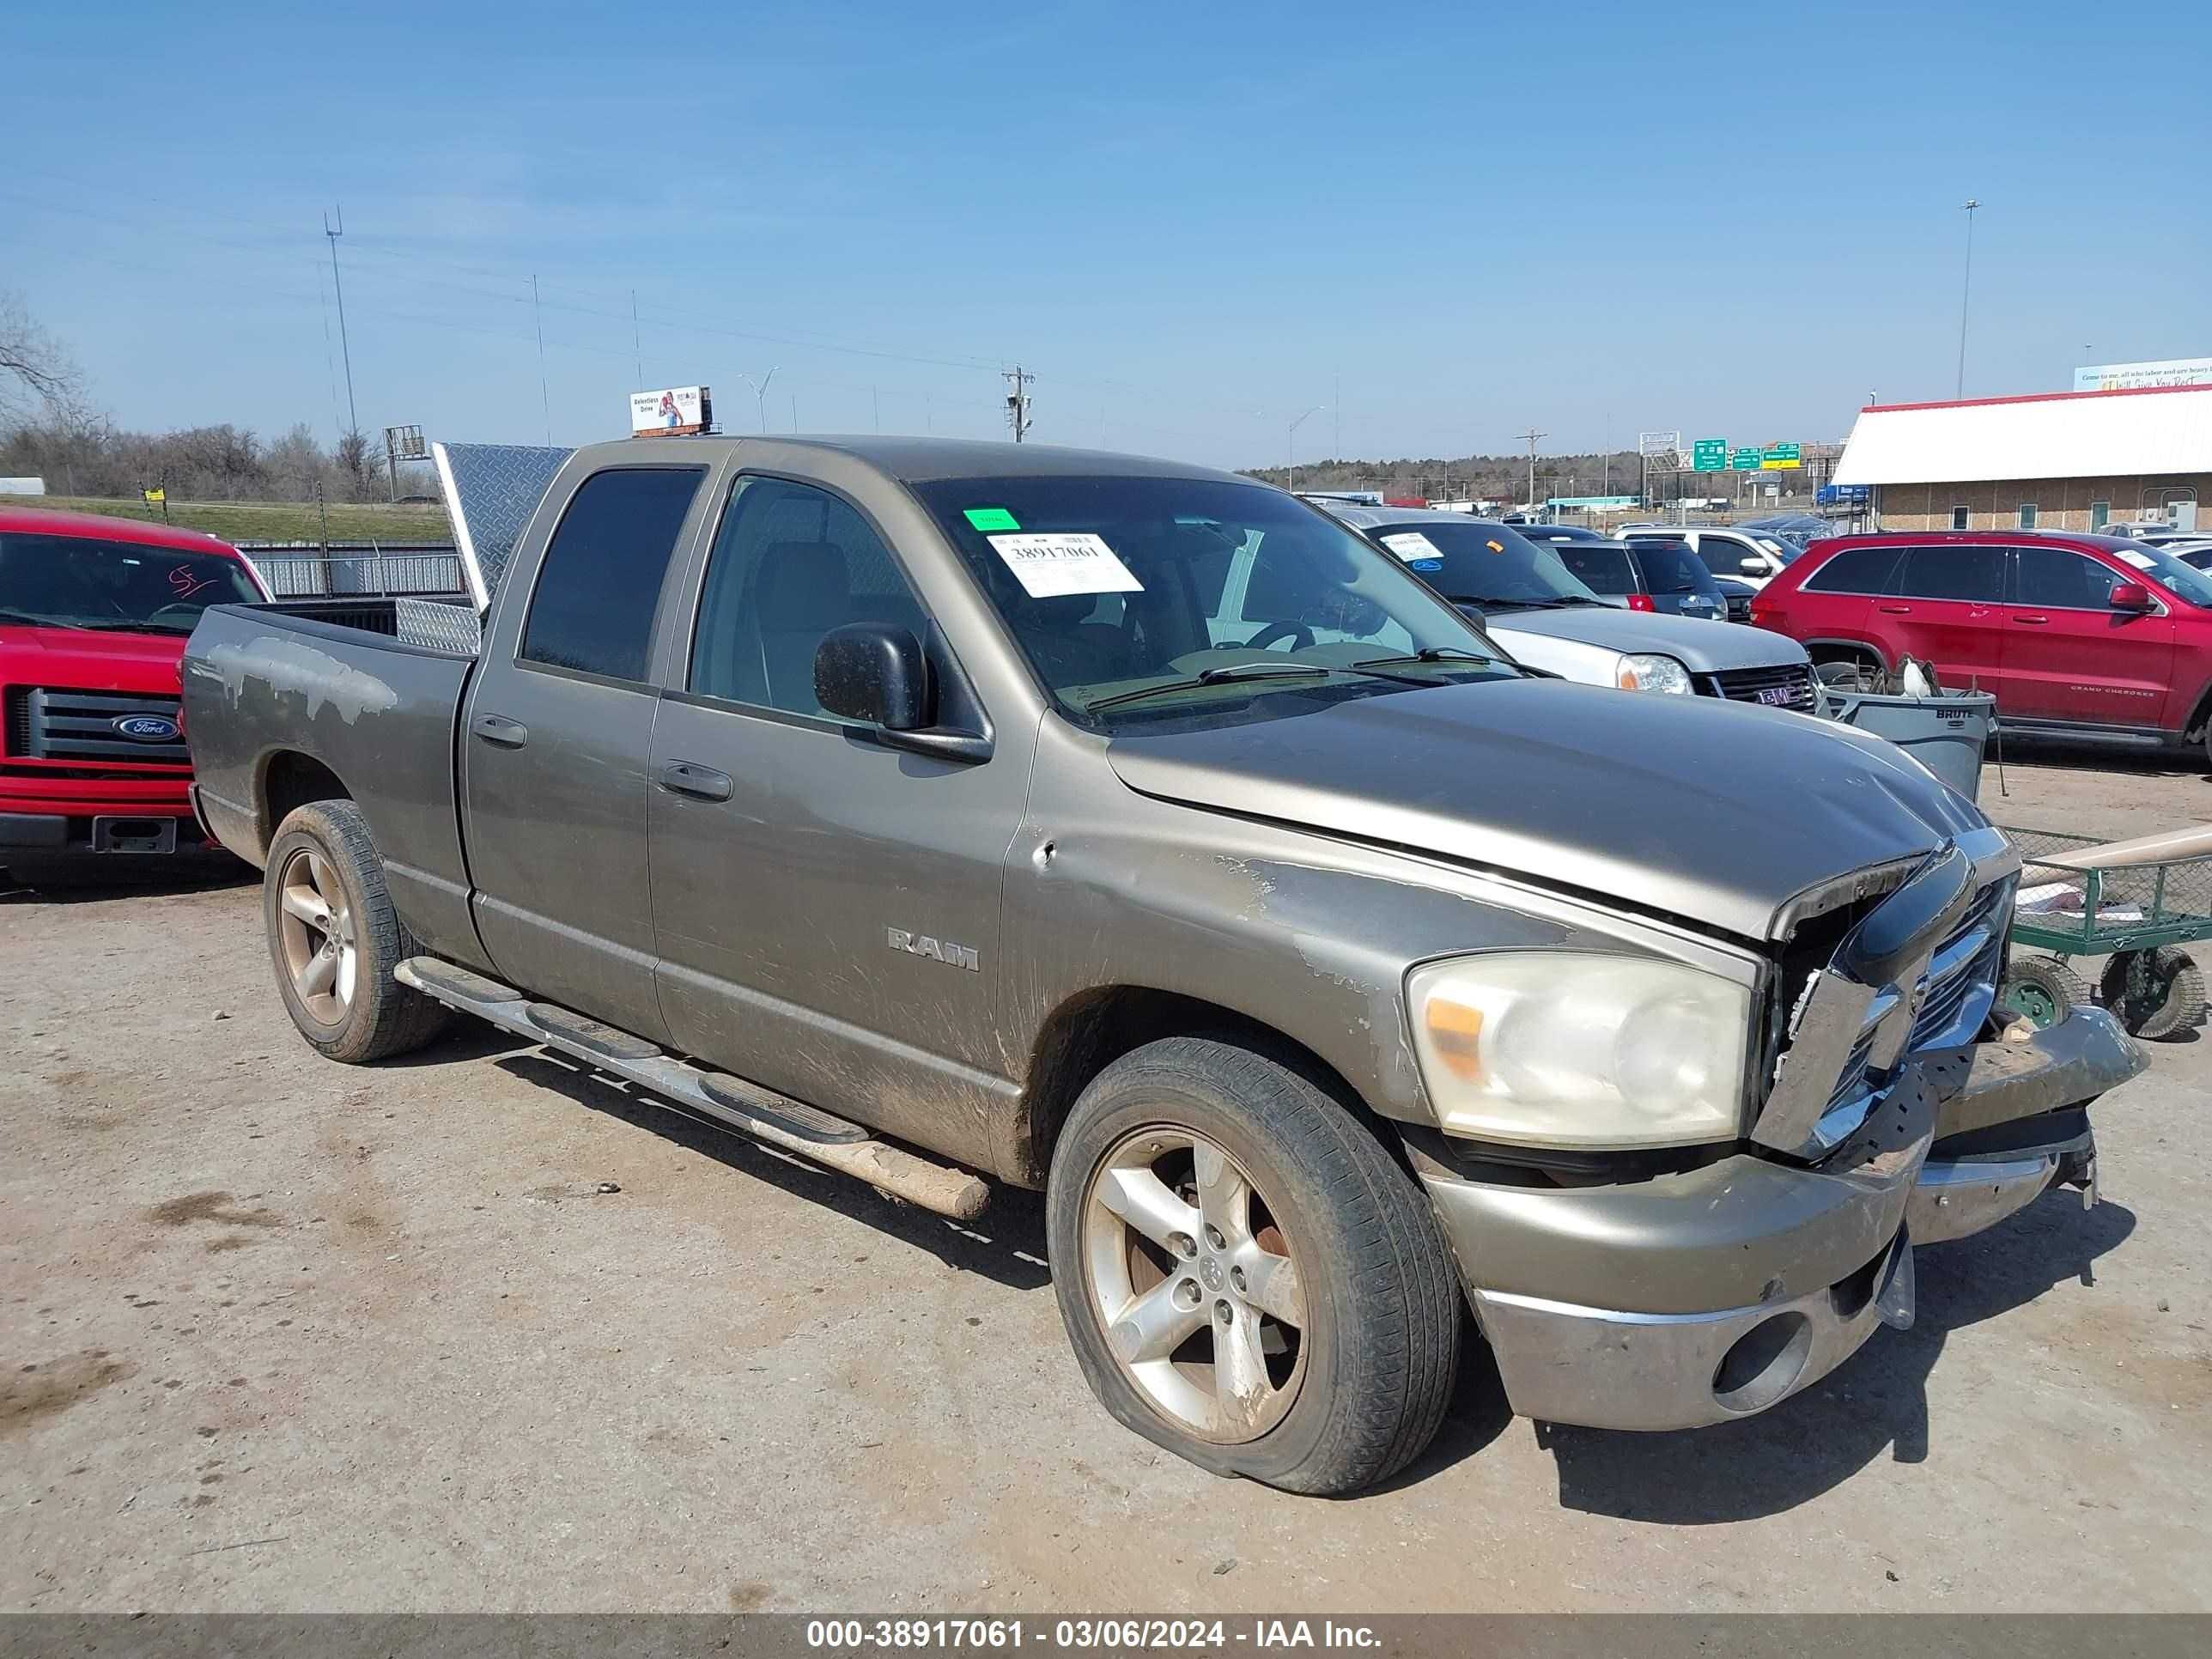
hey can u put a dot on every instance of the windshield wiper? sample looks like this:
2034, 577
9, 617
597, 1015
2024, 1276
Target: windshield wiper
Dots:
1429, 654
1223, 674
125, 625
29, 621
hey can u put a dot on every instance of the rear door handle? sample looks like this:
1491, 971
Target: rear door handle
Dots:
2033, 622
1895, 610
686, 779
497, 728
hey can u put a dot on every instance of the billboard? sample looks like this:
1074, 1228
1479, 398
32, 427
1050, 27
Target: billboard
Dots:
670, 412
2127, 377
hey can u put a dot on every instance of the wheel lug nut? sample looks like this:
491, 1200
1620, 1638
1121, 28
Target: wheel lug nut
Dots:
1223, 1311
1185, 1245
1186, 1293
1236, 1278
1213, 1237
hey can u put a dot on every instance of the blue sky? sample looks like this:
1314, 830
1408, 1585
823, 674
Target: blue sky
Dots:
1192, 222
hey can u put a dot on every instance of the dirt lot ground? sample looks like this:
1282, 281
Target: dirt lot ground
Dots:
281, 1334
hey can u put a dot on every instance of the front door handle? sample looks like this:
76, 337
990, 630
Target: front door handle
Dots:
2033, 622
1895, 610
684, 778
497, 728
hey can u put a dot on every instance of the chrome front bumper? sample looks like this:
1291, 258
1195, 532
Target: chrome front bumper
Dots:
1715, 1293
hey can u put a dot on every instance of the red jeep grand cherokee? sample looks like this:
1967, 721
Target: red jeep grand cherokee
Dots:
2087, 637
94, 614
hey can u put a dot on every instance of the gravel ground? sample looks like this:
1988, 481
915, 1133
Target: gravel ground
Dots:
281, 1334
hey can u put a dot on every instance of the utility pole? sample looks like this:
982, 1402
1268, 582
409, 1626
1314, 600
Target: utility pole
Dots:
353, 418
1529, 438
545, 397
637, 341
1965, 292
1018, 399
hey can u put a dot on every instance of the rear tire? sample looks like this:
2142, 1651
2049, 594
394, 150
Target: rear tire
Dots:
335, 939
1309, 1341
2155, 994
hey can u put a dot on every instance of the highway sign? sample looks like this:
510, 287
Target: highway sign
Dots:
1744, 460
1709, 455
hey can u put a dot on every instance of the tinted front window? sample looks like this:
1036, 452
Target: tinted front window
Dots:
1114, 584
1486, 564
1974, 574
2052, 577
790, 563
1599, 565
1856, 570
76, 581
600, 580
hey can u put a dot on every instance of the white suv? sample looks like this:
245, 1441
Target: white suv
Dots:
1751, 557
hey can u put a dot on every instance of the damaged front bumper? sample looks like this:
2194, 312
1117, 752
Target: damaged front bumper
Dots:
1713, 1293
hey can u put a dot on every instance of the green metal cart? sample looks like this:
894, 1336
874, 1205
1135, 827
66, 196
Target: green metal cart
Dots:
2138, 916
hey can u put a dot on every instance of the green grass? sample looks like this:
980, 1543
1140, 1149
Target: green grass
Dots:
269, 521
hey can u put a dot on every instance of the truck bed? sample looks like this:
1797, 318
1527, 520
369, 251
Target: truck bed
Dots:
276, 695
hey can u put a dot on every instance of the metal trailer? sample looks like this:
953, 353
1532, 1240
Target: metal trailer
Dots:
2138, 916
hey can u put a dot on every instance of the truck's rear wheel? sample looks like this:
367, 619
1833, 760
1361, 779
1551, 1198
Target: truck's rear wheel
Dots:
335, 939
1248, 1278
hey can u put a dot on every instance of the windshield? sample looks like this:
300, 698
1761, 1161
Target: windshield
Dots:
75, 581
1491, 565
2184, 581
1155, 586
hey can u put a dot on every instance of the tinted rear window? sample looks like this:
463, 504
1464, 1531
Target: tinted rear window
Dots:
1855, 570
1600, 569
1973, 575
600, 580
1672, 567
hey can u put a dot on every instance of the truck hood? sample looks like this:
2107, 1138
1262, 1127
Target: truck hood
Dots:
1716, 812
86, 661
1703, 647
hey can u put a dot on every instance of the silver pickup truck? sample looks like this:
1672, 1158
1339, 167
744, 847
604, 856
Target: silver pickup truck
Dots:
942, 813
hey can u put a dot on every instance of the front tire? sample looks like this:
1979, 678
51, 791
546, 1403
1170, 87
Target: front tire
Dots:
1248, 1278
335, 939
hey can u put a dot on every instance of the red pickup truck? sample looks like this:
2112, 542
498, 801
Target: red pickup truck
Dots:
94, 615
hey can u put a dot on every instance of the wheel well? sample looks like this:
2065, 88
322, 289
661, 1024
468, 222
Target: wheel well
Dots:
1822, 651
1089, 1032
2200, 718
291, 779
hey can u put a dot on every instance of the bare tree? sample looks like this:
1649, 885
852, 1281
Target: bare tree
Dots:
353, 458
35, 368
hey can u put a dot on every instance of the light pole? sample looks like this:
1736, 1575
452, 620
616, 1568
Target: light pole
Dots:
1965, 292
1290, 449
760, 397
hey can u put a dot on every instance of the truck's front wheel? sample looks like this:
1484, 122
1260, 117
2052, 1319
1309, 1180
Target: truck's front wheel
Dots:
1247, 1276
335, 939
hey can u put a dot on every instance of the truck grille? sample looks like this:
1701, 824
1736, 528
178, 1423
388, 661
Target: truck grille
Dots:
1957, 996
48, 722
1789, 686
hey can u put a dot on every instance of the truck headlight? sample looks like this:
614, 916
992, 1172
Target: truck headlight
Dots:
1568, 1050
1650, 673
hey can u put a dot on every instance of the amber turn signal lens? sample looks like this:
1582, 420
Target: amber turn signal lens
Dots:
1455, 1036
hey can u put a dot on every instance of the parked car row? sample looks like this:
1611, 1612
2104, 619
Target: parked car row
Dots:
2089, 638
950, 814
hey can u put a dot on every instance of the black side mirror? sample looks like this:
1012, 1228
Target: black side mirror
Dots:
873, 672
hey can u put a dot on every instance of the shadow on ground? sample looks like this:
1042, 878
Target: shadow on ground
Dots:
1875, 1401
1005, 1244
113, 877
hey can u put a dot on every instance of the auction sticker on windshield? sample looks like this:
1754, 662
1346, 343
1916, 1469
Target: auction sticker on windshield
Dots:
1055, 563
1411, 544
